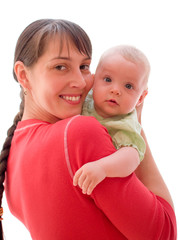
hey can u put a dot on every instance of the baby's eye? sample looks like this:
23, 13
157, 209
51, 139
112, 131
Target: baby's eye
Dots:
84, 67
60, 67
107, 79
128, 86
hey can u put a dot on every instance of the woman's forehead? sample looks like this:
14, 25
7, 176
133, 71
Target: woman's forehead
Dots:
61, 43
66, 49
57, 42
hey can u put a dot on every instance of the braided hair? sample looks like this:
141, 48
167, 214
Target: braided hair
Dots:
30, 46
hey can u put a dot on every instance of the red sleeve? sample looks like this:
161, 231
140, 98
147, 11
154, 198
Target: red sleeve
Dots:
136, 212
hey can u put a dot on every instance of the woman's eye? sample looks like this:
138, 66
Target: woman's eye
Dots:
107, 79
84, 67
60, 67
128, 86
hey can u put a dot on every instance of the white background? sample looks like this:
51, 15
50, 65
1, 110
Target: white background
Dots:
152, 26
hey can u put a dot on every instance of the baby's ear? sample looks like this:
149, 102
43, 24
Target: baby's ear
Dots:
142, 97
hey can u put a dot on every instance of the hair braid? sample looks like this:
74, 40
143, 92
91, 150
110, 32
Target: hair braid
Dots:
5, 152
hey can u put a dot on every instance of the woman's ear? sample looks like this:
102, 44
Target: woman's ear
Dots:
21, 74
142, 97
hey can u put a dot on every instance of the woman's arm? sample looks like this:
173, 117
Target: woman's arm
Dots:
147, 171
149, 175
128, 204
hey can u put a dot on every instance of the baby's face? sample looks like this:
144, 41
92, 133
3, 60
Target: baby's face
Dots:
118, 86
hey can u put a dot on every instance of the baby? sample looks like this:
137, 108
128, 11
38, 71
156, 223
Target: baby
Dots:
120, 85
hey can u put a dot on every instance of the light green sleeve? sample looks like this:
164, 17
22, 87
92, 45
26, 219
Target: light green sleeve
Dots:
126, 131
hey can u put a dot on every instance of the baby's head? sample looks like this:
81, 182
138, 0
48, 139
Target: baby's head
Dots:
121, 80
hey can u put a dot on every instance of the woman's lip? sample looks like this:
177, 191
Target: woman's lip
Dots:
71, 98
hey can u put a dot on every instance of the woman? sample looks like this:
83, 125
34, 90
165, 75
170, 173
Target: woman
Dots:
51, 141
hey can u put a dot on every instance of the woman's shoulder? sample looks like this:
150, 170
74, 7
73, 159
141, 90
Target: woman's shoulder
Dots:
85, 140
84, 121
84, 125
76, 125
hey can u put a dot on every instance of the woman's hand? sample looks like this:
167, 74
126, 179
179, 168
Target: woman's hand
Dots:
139, 111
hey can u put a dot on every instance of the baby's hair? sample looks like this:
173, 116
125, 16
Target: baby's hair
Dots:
130, 53
30, 46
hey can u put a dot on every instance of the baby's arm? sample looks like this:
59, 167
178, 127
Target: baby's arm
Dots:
119, 164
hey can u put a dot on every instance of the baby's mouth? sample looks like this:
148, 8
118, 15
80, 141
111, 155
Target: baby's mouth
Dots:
112, 101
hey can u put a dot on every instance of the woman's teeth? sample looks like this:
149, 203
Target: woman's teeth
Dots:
71, 98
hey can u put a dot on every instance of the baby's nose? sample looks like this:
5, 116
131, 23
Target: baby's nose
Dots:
116, 91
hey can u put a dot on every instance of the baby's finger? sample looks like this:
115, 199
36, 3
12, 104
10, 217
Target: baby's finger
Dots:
81, 180
91, 188
76, 177
85, 185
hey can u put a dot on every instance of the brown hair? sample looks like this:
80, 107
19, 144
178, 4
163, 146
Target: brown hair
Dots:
30, 46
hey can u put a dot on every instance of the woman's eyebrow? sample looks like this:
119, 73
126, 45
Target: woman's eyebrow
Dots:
61, 57
68, 58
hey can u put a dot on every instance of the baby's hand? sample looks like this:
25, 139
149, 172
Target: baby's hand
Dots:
88, 177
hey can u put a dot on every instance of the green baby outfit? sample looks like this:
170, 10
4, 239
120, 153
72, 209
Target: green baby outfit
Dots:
124, 129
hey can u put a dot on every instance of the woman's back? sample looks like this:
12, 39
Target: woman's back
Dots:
39, 185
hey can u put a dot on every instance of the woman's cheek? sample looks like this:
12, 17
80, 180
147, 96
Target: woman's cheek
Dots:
89, 81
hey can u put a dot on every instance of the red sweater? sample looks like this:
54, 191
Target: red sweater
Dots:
40, 192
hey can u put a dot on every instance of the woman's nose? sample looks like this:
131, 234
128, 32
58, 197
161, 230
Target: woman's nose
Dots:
78, 80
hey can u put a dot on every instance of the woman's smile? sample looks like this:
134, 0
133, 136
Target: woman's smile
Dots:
72, 99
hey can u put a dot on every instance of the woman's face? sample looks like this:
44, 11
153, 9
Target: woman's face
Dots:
58, 83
